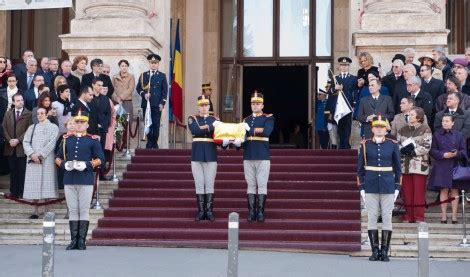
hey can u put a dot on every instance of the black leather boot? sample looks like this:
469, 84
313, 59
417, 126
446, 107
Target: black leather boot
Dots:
261, 204
201, 213
74, 225
82, 233
251, 198
374, 244
210, 206
386, 237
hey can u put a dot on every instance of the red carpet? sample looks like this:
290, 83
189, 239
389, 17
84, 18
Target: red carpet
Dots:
313, 203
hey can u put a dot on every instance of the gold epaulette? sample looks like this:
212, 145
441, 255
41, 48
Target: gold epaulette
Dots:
392, 140
92, 136
216, 118
268, 114
64, 136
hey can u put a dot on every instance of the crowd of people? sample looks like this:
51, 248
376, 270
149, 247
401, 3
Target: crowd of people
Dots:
45, 104
414, 121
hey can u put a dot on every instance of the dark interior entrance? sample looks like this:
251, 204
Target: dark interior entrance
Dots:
285, 89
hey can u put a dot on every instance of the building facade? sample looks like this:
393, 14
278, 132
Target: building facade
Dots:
281, 48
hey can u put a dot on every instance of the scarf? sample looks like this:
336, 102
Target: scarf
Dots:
67, 105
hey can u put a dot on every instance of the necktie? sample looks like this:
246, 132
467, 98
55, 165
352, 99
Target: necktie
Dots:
17, 115
413, 96
452, 113
406, 118
30, 79
152, 73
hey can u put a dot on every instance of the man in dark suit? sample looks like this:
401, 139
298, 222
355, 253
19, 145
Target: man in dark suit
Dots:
101, 102
395, 81
31, 95
49, 76
422, 98
462, 118
85, 103
25, 80
43, 67
15, 123
72, 81
152, 86
97, 68
346, 83
20, 68
400, 90
373, 105
432, 85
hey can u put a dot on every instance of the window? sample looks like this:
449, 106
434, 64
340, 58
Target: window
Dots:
258, 28
294, 28
323, 28
229, 27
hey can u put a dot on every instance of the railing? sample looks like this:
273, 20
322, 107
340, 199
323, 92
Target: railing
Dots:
174, 126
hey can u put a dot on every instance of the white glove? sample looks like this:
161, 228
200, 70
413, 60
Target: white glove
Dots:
225, 142
68, 166
396, 195
363, 195
237, 142
247, 127
80, 166
217, 122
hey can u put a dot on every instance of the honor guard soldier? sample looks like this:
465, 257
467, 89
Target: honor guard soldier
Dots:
256, 156
379, 181
345, 82
204, 158
153, 86
207, 92
78, 155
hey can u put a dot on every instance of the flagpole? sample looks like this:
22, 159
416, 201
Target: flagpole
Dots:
170, 73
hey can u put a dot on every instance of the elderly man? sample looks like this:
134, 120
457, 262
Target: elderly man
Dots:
422, 98
72, 81
440, 52
20, 68
401, 119
462, 118
452, 85
462, 75
373, 105
395, 81
31, 95
442, 65
400, 90
44, 66
430, 84
409, 54
49, 77
25, 80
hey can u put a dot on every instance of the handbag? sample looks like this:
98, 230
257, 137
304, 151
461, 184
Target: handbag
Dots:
461, 172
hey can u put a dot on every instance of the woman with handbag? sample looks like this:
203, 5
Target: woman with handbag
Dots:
415, 143
448, 147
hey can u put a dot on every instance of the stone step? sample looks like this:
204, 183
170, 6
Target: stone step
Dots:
402, 251
15, 223
412, 228
412, 239
19, 213
431, 216
37, 234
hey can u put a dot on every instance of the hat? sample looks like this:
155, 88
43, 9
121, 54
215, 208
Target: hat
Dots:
81, 116
206, 86
461, 61
428, 57
154, 57
257, 97
344, 60
399, 57
379, 122
203, 100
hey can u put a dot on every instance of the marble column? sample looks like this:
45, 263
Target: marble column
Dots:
386, 27
4, 34
123, 29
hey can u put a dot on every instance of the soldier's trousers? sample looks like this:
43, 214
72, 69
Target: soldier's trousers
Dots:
204, 176
376, 202
257, 175
78, 199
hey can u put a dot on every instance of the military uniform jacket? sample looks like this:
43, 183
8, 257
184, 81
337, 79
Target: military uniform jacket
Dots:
257, 149
157, 87
379, 155
202, 151
80, 148
349, 90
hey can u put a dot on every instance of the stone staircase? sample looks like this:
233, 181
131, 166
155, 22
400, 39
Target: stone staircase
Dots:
444, 239
17, 229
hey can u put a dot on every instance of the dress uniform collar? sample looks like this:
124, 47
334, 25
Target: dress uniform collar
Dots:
257, 114
205, 115
78, 134
378, 140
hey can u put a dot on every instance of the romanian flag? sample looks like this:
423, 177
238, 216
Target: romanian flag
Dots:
177, 78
